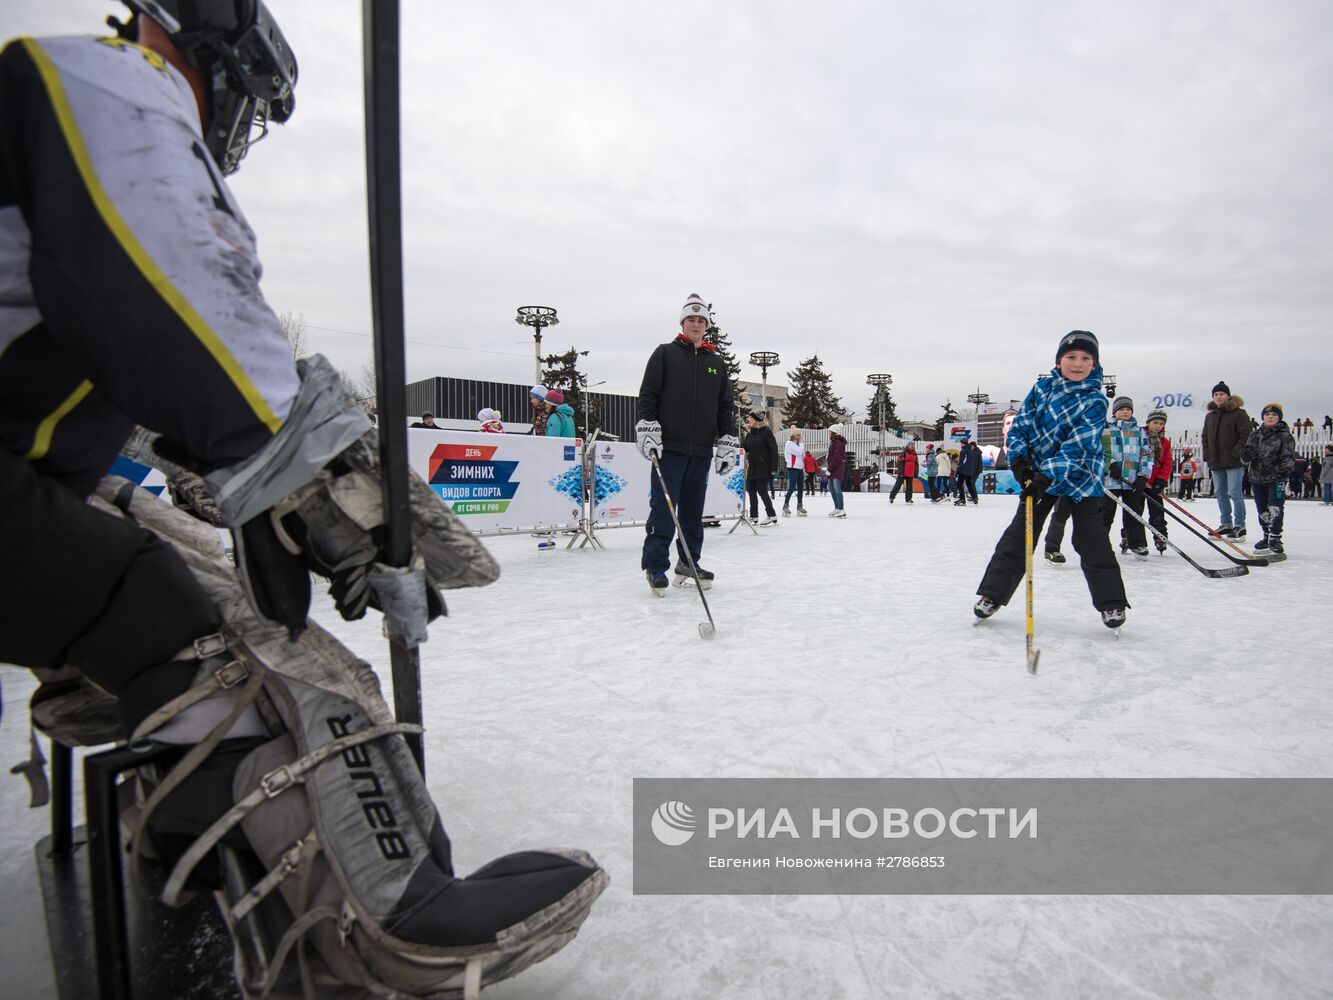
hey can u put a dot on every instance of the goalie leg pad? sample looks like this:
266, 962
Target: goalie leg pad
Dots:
357, 882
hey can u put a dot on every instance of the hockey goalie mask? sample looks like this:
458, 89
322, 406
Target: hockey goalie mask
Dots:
248, 67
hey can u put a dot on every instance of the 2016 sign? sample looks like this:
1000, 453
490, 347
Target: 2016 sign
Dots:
1173, 399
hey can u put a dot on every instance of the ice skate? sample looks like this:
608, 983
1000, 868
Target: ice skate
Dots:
786, 512
684, 578
1140, 551
771, 519
656, 581
1113, 617
1261, 545
1056, 556
984, 608
802, 512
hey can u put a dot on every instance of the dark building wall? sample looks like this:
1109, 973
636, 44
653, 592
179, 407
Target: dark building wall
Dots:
461, 398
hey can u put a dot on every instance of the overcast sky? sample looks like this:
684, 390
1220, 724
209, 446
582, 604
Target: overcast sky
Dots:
938, 191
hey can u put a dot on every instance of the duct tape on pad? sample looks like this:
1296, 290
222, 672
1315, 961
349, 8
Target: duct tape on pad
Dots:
401, 591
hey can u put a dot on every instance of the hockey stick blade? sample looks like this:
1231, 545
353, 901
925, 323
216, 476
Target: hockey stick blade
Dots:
1212, 574
1247, 561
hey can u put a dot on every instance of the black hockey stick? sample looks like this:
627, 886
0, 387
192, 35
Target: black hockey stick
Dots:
706, 629
384, 197
1248, 561
1214, 574
1204, 525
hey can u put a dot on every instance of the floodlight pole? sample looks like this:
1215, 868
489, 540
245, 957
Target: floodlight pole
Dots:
764, 360
881, 382
384, 204
539, 318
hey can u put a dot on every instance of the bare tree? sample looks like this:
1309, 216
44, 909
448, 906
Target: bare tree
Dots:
293, 325
361, 387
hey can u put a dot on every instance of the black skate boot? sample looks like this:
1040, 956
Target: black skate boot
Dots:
1056, 556
685, 578
657, 581
1113, 617
1262, 545
985, 607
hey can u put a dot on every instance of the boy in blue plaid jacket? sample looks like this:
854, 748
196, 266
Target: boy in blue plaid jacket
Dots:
1055, 450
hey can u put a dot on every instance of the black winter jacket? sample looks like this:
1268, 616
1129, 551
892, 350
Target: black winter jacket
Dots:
969, 463
762, 457
686, 389
1270, 454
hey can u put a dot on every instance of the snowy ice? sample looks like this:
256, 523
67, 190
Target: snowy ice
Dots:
845, 648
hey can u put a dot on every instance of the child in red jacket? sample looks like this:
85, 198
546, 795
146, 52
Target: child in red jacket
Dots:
1159, 477
907, 465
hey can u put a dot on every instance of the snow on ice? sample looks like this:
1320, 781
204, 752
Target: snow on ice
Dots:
844, 648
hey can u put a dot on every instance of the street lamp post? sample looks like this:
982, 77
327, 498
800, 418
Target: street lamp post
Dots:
539, 318
587, 401
881, 382
764, 360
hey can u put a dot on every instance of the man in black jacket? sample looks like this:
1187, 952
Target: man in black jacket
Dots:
684, 407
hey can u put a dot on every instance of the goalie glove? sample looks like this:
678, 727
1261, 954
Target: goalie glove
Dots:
648, 433
312, 500
724, 459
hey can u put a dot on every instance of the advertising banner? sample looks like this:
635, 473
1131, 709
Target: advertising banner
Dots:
501, 481
624, 486
623, 482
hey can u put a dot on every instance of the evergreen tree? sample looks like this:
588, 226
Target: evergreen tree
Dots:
810, 400
891, 418
717, 336
948, 415
561, 371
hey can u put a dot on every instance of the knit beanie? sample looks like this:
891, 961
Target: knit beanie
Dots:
694, 306
537, 392
485, 414
555, 396
1156, 415
1121, 401
1222, 387
1275, 407
835, 428
1078, 340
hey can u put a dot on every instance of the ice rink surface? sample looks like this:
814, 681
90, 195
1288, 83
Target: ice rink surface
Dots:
845, 648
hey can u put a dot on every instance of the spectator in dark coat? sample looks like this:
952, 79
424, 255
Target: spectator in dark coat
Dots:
1225, 429
969, 467
762, 459
836, 464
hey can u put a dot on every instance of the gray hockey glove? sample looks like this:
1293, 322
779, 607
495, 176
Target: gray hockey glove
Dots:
311, 500
724, 458
649, 435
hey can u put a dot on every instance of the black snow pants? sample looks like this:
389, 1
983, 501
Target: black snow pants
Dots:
1005, 570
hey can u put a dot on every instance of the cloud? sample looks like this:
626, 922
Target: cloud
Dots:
937, 191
